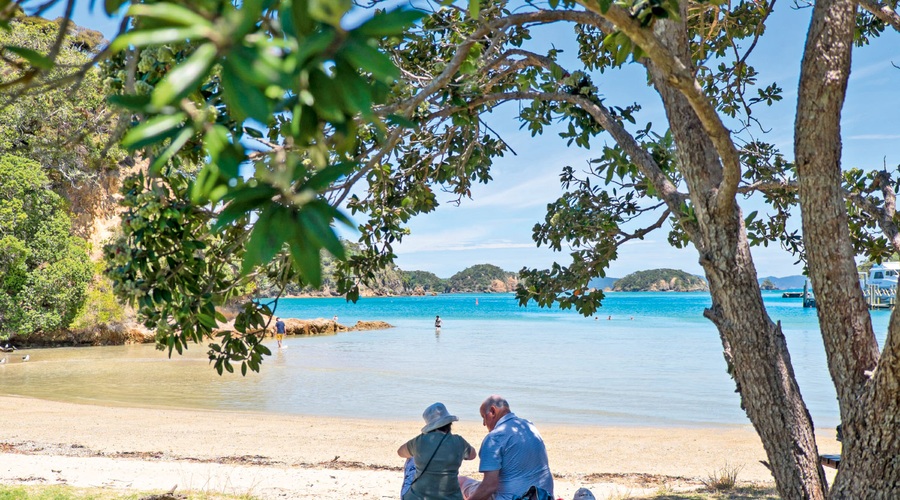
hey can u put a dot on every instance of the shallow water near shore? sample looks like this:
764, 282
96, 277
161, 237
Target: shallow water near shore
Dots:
648, 359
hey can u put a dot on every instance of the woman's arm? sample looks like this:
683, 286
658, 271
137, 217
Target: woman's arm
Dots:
470, 453
403, 451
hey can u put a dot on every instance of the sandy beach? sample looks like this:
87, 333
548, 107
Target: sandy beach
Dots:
290, 456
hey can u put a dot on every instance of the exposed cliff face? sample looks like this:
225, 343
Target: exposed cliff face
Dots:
94, 206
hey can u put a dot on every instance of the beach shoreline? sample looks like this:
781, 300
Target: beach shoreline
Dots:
292, 456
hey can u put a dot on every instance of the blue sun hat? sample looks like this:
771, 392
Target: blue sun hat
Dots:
436, 416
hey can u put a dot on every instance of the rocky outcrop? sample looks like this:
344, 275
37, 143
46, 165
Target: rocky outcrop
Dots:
318, 326
134, 333
116, 334
371, 325
322, 326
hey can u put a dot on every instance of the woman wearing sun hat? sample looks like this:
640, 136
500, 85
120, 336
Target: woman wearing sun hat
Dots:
438, 454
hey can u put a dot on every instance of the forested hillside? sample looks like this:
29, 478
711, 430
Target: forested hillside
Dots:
661, 280
423, 282
61, 167
481, 278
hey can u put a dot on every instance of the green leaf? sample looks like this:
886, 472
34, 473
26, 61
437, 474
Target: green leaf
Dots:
300, 17
391, 23
318, 223
249, 13
329, 11
185, 77
174, 146
323, 178
131, 102
401, 121
474, 8
327, 102
306, 257
207, 320
244, 101
750, 217
369, 59
154, 130
266, 239
169, 13
314, 45
34, 57
112, 6
159, 36
355, 91
242, 203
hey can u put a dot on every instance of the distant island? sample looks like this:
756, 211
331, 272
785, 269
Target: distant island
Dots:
488, 278
661, 280
480, 278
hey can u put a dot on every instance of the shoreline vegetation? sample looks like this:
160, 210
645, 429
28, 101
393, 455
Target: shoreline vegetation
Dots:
260, 455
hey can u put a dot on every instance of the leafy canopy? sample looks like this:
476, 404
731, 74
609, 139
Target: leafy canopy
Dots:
270, 97
44, 272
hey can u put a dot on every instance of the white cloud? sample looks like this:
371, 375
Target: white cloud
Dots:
457, 239
878, 68
536, 192
874, 137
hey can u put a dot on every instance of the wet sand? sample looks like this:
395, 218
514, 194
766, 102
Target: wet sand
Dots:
291, 456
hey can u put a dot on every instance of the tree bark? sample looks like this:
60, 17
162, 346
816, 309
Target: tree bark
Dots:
755, 347
869, 408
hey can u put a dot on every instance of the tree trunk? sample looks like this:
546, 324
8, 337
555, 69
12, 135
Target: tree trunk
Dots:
761, 366
869, 409
755, 347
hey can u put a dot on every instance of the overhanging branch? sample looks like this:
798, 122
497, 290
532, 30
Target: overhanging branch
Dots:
883, 12
680, 76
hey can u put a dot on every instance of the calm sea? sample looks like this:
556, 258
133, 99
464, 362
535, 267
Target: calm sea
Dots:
646, 359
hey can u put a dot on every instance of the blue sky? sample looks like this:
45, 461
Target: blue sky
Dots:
495, 226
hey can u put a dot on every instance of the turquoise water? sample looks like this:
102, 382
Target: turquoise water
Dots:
663, 367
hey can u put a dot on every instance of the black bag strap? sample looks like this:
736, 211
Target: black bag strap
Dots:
420, 472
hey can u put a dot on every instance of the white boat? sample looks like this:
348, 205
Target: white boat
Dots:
884, 275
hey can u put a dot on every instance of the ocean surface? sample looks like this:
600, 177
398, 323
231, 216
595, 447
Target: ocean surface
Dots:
646, 359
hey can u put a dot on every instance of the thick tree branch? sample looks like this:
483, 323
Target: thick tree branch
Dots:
681, 77
884, 214
462, 51
882, 11
641, 158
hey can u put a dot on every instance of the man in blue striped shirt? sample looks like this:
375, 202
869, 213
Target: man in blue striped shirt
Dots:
513, 456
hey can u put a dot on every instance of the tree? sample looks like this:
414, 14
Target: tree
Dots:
65, 123
696, 57
45, 271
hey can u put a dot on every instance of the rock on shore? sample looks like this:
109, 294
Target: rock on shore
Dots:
322, 326
134, 333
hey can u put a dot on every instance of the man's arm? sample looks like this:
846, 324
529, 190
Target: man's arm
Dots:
488, 486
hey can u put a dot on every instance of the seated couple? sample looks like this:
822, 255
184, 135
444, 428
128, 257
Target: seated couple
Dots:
513, 457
